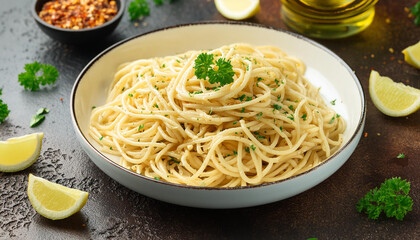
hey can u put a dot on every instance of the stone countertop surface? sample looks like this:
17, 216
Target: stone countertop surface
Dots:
327, 211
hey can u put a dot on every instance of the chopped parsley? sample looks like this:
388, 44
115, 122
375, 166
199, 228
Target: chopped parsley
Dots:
259, 115
247, 150
277, 107
257, 134
130, 95
304, 117
235, 122
291, 107
100, 139
291, 117
235, 152
253, 147
333, 102
241, 98
243, 110
173, 160
141, 127
401, 155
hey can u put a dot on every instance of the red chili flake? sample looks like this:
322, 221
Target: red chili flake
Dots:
365, 134
78, 14
61, 99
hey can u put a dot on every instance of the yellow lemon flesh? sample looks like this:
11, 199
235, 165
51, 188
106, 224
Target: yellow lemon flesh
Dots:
412, 55
53, 200
19, 153
238, 9
391, 98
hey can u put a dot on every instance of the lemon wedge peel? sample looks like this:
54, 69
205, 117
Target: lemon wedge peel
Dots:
391, 98
238, 9
53, 200
412, 55
19, 153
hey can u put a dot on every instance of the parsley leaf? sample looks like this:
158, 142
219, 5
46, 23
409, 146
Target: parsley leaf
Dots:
138, 8
415, 10
4, 111
203, 64
391, 198
160, 2
333, 102
32, 78
222, 73
39, 117
401, 155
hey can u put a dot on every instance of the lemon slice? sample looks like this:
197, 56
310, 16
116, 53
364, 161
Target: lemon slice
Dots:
391, 98
53, 200
238, 9
412, 55
19, 153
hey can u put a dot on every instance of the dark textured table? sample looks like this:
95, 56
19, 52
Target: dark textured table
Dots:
326, 211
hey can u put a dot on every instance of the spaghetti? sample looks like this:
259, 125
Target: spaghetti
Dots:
165, 123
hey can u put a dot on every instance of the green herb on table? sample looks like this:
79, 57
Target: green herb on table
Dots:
4, 110
401, 155
138, 8
222, 71
391, 198
160, 2
37, 74
415, 10
39, 117
333, 102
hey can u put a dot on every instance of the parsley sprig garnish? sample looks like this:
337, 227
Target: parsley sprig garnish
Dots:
220, 71
37, 74
138, 8
415, 10
391, 198
4, 110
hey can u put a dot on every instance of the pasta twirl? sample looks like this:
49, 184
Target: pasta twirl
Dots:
268, 125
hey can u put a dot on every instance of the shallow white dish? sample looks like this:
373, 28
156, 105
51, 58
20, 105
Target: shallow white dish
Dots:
324, 69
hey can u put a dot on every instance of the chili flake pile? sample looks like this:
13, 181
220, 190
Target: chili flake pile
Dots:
78, 14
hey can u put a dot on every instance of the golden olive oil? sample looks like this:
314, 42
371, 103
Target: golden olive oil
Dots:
328, 18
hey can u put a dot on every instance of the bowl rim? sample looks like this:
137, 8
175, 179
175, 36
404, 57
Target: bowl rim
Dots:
249, 24
117, 17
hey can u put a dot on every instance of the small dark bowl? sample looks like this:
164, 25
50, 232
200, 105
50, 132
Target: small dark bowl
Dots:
87, 35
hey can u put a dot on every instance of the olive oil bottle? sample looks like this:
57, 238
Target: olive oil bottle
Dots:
328, 18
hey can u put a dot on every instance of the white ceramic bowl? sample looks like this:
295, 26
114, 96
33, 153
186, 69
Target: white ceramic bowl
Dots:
324, 69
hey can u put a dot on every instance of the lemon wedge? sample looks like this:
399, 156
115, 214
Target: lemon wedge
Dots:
53, 200
412, 55
19, 153
238, 9
391, 98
